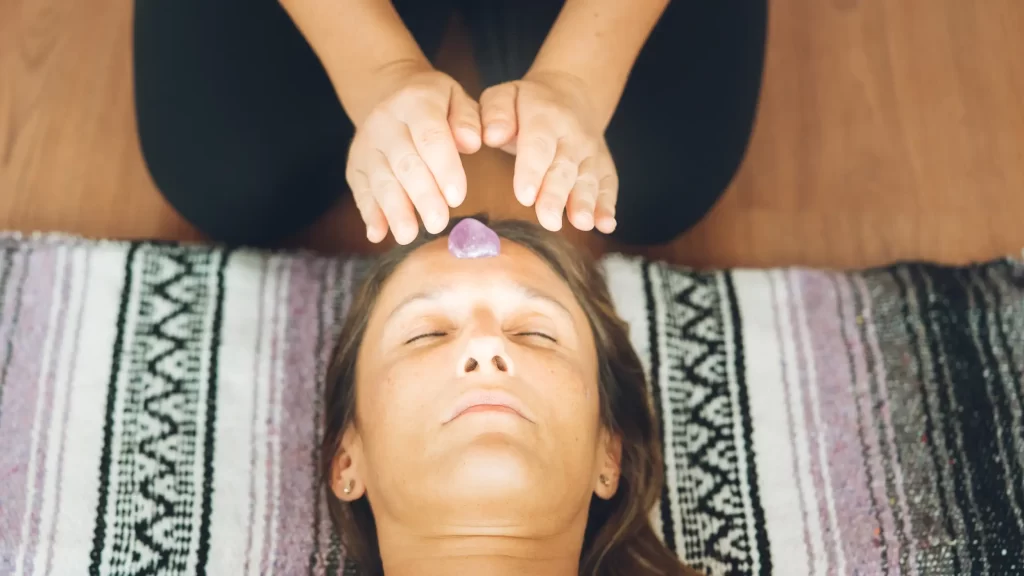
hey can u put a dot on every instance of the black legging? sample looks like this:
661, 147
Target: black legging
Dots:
243, 133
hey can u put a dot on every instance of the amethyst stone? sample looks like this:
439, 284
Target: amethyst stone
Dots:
473, 239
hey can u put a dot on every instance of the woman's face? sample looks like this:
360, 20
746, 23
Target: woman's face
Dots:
477, 399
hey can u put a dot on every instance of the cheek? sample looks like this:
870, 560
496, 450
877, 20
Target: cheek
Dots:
568, 387
397, 397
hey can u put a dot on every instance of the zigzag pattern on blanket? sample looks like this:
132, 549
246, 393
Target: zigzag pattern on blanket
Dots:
160, 407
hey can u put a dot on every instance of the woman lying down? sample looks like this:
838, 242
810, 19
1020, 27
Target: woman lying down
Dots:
487, 415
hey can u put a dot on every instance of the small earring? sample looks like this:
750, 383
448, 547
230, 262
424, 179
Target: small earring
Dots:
348, 487
604, 480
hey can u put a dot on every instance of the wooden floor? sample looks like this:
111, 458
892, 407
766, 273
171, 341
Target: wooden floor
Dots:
888, 130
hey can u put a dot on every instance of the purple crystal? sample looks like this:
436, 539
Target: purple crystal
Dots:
473, 239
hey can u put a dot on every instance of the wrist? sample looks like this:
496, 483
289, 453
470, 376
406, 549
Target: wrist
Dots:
359, 96
580, 93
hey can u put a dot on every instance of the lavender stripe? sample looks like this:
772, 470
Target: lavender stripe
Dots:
325, 315
340, 297
787, 386
257, 354
65, 417
296, 506
854, 510
44, 412
818, 468
869, 429
14, 412
885, 412
27, 334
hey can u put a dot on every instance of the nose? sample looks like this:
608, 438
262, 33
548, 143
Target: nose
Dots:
485, 354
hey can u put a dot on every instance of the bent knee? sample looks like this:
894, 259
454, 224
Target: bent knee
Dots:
240, 203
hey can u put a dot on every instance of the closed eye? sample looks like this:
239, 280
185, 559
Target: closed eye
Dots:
434, 334
537, 334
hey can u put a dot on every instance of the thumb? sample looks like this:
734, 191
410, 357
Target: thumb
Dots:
498, 113
464, 119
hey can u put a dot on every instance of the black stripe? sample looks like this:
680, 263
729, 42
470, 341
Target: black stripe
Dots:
851, 372
100, 531
984, 407
915, 345
935, 319
668, 527
15, 316
760, 528
1013, 387
211, 418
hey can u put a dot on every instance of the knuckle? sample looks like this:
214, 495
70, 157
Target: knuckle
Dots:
432, 136
407, 164
539, 144
564, 168
414, 94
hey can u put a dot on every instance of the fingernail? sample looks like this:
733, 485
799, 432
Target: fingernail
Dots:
529, 195
371, 234
469, 134
495, 131
451, 194
585, 220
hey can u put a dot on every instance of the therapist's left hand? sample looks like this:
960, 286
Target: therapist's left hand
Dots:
562, 161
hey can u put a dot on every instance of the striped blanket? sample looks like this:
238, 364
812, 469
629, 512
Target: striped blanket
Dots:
159, 410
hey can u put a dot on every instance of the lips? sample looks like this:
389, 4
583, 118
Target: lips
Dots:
484, 398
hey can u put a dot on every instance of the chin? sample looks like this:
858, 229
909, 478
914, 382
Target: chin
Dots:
490, 471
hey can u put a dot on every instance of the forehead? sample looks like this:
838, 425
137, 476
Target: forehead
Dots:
515, 268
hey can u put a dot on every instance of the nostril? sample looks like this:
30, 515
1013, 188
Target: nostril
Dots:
471, 365
499, 363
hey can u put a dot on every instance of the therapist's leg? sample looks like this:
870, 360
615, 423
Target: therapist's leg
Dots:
682, 127
239, 125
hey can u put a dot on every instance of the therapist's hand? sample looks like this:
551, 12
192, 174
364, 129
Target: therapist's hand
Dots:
404, 158
562, 160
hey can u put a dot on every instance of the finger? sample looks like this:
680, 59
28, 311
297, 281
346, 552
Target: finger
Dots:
464, 119
392, 198
432, 136
583, 197
558, 182
535, 151
415, 177
498, 113
373, 217
607, 196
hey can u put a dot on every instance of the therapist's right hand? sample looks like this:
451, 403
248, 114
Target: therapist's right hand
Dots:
405, 159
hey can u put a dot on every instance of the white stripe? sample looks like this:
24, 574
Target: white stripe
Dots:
229, 522
259, 432
803, 335
206, 368
62, 383
772, 448
131, 320
88, 401
49, 343
729, 337
624, 276
279, 382
796, 407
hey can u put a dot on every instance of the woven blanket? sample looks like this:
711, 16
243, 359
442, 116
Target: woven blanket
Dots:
160, 407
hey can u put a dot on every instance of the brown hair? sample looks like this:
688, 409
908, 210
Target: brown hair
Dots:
619, 539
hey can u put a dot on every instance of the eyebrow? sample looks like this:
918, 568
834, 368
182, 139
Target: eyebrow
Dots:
435, 292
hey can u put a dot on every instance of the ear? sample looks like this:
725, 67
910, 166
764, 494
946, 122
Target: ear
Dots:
346, 481
606, 484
